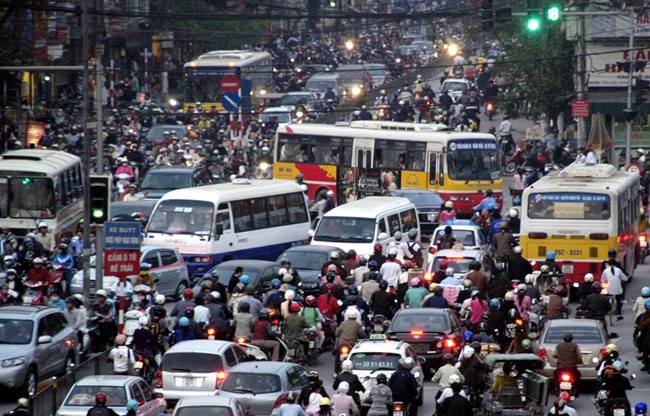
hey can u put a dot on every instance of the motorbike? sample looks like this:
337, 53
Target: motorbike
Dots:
343, 353
514, 161
131, 324
94, 333
565, 383
254, 352
398, 409
312, 342
490, 110
329, 330
141, 368
264, 170
379, 324
35, 293
57, 281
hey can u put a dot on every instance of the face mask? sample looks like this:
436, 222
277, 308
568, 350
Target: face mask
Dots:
11, 277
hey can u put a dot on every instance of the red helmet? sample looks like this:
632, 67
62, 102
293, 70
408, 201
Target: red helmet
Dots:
295, 307
444, 264
100, 398
329, 287
559, 290
188, 293
310, 300
378, 247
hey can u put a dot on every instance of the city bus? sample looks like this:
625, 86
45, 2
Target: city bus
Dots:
204, 75
244, 219
40, 185
580, 213
369, 158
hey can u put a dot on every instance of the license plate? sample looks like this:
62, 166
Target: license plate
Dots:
567, 268
312, 344
420, 348
619, 411
188, 382
138, 365
565, 385
398, 413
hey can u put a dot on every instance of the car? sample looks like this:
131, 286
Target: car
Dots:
465, 232
293, 99
261, 387
589, 334
379, 73
284, 114
308, 260
118, 389
208, 406
432, 332
455, 87
459, 259
167, 266
36, 343
157, 132
261, 272
374, 356
162, 179
427, 204
351, 78
128, 210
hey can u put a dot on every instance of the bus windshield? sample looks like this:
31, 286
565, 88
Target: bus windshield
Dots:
27, 198
346, 230
473, 160
569, 206
182, 217
202, 89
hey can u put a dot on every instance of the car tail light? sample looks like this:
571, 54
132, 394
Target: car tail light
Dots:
643, 238
211, 332
220, 376
448, 343
158, 380
345, 350
566, 377
417, 332
69, 342
281, 398
542, 353
603, 352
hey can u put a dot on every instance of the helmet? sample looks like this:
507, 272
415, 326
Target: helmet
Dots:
346, 365
513, 213
408, 363
215, 295
144, 266
645, 291
530, 279
449, 271
383, 285
415, 281
647, 304
392, 254
503, 225
101, 292
483, 326
295, 307
454, 378
38, 260
467, 335
448, 358
468, 351
640, 408
618, 365
509, 295
413, 233
335, 254
550, 255
325, 401
397, 235
160, 299
351, 314
432, 286
378, 247
526, 343
100, 398
330, 194
449, 204
595, 287
42, 224
382, 379
132, 405
244, 279
71, 299
290, 295
353, 290
188, 294
23, 402
344, 387
184, 322
310, 300
589, 278
189, 312
264, 313
568, 336
611, 348
495, 303
611, 252
544, 268
517, 250
275, 283
143, 321
512, 313
467, 283
120, 339
559, 290
312, 376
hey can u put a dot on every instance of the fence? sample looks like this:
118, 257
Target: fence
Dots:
48, 400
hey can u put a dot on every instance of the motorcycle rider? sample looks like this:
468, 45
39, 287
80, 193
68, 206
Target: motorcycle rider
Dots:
642, 333
503, 242
180, 307
314, 379
380, 397
353, 381
615, 279
22, 408
479, 279
485, 202
145, 343
584, 289
553, 267
597, 305
66, 261
342, 403
519, 267
568, 357
122, 356
264, 336
404, 386
383, 301
38, 274
347, 333
391, 270
437, 300
335, 259
294, 326
100, 408
75, 317
45, 238
183, 332
145, 277
106, 313
617, 385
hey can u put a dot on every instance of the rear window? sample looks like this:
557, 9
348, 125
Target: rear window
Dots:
203, 411
465, 237
421, 321
581, 335
186, 362
459, 264
85, 396
375, 361
252, 383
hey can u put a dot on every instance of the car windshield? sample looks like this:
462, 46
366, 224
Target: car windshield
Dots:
465, 237
166, 180
460, 264
126, 209
346, 230
422, 199
16, 331
320, 85
252, 383
85, 396
309, 260
375, 361
282, 116
569, 206
175, 216
581, 334
295, 99
454, 86
422, 322
157, 133
473, 160
226, 270
191, 362
203, 411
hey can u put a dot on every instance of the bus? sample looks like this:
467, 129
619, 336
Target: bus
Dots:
204, 75
580, 213
244, 219
369, 158
40, 185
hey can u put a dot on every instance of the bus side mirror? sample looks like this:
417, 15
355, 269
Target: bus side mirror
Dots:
219, 229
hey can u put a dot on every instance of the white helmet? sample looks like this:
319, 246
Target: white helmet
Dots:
467, 352
290, 295
351, 314
100, 292
455, 378
42, 224
589, 278
513, 213
346, 365
160, 299
330, 194
344, 387
449, 271
282, 272
530, 278
517, 250
143, 321
215, 295
287, 278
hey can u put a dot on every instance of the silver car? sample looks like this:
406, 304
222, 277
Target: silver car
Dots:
35, 344
261, 386
208, 406
118, 389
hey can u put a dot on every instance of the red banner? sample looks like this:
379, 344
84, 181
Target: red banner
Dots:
120, 262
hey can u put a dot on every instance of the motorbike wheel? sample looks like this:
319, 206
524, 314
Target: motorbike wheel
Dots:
490, 115
510, 168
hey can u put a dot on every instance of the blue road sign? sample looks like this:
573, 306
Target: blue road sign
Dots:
231, 101
122, 235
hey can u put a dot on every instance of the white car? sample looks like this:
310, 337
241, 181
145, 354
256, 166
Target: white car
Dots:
455, 87
374, 356
465, 232
459, 259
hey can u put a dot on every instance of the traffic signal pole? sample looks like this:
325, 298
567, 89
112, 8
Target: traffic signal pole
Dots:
631, 61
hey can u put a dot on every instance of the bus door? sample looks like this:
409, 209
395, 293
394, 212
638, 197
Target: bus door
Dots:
363, 153
433, 170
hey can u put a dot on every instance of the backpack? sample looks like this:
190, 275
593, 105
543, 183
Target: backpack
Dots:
180, 336
417, 254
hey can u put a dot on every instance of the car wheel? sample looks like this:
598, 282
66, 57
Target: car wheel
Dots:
420, 399
31, 383
179, 291
68, 363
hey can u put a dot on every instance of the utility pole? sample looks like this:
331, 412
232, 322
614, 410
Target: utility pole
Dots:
631, 62
86, 151
582, 74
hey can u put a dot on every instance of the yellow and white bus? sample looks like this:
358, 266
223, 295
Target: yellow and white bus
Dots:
580, 213
40, 185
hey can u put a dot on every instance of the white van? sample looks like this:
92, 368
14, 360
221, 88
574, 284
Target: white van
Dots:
319, 83
359, 225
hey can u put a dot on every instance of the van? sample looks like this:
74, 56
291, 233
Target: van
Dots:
359, 225
319, 83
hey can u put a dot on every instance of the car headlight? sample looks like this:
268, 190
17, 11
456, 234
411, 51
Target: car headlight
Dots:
13, 362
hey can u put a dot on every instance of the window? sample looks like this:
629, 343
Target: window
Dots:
297, 208
241, 355
277, 210
182, 217
347, 230
14, 331
53, 325
473, 160
258, 210
255, 383
432, 168
297, 377
409, 220
182, 362
415, 156
572, 206
393, 224
137, 394
146, 391
152, 258
168, 257
42, 327
391, 154
315, 149
242, 213
223, 218
231, 360
31, 197
382, 225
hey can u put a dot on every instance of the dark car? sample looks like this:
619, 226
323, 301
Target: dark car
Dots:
129, 210
432, 332
158, 132
261, 272
308, 260
157, 182
426, 202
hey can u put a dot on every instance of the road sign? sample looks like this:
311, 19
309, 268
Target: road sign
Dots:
122, 235
229, 83
580, 108
118, 262
231, 101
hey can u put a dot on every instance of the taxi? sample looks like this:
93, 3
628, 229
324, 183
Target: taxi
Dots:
465, 232
459, 258
378, 355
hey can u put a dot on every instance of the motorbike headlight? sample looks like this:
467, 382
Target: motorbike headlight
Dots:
13, 362
264, 166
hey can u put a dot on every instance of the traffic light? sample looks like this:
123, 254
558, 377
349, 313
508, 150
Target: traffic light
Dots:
100, 198
486, 15
553, 13
642, 87
533, 21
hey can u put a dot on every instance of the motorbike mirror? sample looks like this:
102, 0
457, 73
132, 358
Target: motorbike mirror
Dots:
158, 395
219, 229
633, 376
382, 236
421, 360
612, 335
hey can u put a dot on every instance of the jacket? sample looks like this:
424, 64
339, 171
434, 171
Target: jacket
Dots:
294, 325
403, 385
614, 277
343, 404
568, 355
442, 375
349, 332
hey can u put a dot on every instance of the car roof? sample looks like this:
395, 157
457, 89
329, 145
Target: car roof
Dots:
246, 264
422, 311
206, 401
450, 252
175, 168
201, 345
24, 310
279, 109
105, 380
572, 322
135, 204
367, 345
369, 207
262, 367
318, 248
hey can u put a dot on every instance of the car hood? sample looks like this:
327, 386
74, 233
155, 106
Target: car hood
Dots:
309, 276
155, 193
13, 350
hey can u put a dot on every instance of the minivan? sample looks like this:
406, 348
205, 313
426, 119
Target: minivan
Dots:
359, 225
321, 82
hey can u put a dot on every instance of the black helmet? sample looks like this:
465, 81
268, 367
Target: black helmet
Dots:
595, 287
568, 336
512, 313
330, 276
475, 265
264, 314
353, 290
612, 252
383, 285
189, 312
312, 376
483, 326
485, 316
382, 379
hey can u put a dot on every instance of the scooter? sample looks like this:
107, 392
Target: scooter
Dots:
256, 353
565, 382
514, 161
131, 324
490, 110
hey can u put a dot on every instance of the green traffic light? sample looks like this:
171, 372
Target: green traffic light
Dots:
553, 14
26, 181
98, 213
533, 24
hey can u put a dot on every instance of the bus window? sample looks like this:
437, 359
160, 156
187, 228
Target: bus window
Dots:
223, 219
297, 209
415, 156
409, 220
293, 149
258, 210
242, 213
277, 210
393, 223
432, 168
4, 198
29, 195
345, 155
390, 154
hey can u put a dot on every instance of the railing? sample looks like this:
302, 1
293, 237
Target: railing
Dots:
48, 400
